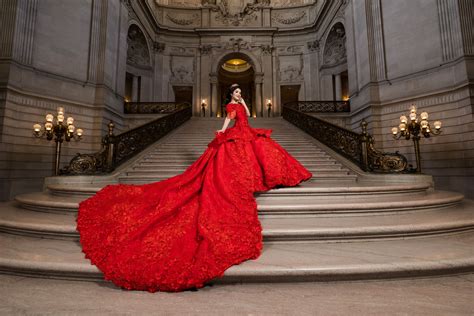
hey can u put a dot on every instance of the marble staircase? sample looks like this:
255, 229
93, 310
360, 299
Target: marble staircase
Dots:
343, 224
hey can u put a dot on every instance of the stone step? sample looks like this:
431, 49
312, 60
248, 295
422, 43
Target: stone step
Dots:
318, 177
192, 158
187, 154
182, 166
303, 189
285, 206
279, 262
356, 204
170, 173
174, 170
326, 228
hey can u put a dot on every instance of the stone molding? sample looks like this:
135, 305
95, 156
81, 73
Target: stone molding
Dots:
231, 13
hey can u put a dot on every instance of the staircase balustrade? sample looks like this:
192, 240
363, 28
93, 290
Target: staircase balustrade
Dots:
359, 148
116, 149
320, 106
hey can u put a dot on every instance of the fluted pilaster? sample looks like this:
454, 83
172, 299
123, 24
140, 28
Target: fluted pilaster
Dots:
377, 58
450, 29
98, 37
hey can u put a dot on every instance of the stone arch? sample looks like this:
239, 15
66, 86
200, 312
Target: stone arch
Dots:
139, 65
247, 56
333, 71
334, 49
138, 50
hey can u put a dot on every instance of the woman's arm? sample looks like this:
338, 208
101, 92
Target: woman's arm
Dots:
224, 127
245, 106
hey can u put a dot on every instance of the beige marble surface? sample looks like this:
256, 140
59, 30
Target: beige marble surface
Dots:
431, 297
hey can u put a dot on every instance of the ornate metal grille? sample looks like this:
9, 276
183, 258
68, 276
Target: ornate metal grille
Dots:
320, 106
359, 148
152, 107
118, 149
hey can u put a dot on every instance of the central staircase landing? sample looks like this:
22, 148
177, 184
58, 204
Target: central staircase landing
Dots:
343, 224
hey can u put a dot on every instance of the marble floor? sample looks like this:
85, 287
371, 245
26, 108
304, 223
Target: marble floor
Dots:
452, 295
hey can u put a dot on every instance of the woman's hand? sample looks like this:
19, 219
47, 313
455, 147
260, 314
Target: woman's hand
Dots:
241, 101
220, 131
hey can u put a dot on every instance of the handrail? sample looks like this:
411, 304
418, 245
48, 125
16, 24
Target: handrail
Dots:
116, 149
358, 148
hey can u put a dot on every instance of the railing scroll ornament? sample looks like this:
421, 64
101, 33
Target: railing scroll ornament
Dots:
359, 148
116, 149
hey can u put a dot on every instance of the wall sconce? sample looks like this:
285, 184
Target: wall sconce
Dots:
60, 130
203, 106
269, 106
414, 128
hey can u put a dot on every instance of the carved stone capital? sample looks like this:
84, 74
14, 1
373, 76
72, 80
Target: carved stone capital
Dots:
158, 47
313, 46
205, 49
266, 49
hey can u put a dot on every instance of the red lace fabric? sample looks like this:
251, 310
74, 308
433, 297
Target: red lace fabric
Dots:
182, 232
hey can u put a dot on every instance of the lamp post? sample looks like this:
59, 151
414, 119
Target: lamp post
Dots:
417, 126
59, 131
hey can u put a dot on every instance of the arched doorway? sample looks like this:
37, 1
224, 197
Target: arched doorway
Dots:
236, 68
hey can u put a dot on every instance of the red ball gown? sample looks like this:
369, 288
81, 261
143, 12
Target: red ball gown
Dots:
184, 231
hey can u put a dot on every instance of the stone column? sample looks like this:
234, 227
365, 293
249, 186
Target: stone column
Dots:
258, 109
214, 102
338, 87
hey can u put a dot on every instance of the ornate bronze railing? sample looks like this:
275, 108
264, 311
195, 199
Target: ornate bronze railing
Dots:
320, 106
118, 149
153, 107
358, 148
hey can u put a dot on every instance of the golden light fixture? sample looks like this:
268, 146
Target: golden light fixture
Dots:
236, 65
59, 131
203, 106
269, 106
414, 128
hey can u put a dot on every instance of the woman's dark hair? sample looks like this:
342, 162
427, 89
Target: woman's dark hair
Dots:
230, 91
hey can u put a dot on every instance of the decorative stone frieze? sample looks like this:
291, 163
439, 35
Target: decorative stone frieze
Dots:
159, 47
291, 18
182, 69
313, 46
290, 50
206, 49
290, 68
236, 13
237, 44
266, 49
184, 21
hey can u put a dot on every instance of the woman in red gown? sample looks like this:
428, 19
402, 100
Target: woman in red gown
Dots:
181, 232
